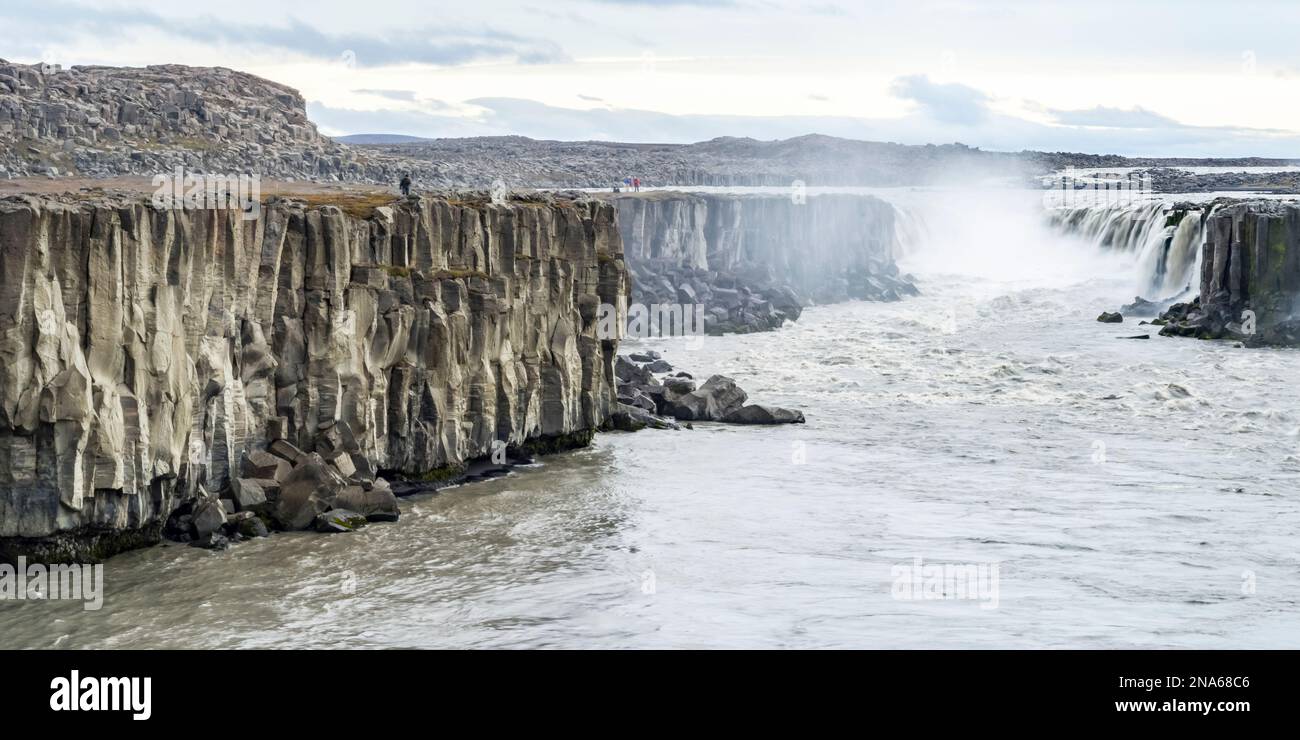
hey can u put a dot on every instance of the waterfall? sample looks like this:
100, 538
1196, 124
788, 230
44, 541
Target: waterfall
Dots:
1019, 235
1164, 237
910, 230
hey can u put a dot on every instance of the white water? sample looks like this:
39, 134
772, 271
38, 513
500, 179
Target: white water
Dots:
1127, 489
1167, 256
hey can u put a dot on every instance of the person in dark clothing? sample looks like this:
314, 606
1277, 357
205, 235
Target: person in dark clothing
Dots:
406, 184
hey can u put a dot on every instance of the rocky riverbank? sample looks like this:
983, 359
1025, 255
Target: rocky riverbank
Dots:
155, 361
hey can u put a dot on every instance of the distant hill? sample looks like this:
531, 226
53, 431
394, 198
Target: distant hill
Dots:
378, 139
108, 121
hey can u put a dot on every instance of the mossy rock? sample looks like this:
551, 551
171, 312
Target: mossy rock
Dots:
554, 443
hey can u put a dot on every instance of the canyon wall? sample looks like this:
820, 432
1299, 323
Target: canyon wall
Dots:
143, 352
1251, 258
1237, 261
1250, 262
754, 260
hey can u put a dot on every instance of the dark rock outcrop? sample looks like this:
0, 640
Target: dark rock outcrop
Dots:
760, 414
1250, 276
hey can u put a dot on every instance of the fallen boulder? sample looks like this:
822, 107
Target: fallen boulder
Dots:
263, 464
308, 492
286, 450
634, 419
253, 494
1142, 307
339, 520
253, 527
712, 401
378, 504
209, 517
761, 414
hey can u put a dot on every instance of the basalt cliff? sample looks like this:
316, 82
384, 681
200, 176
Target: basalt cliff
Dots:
754, 261
1237, 260
147, 356
1249, 277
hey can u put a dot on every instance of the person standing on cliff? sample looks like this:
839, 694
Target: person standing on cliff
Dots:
636, 184
406, 184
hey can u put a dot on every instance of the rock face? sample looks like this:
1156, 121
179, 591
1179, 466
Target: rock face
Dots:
754, 261
1250, 262
150, 358
96, 121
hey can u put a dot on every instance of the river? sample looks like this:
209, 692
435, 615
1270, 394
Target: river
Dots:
1132, 493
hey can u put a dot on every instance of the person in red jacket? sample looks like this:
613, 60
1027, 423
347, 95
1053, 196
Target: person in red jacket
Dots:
636, 184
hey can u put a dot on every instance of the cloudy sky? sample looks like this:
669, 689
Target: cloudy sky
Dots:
1130, 77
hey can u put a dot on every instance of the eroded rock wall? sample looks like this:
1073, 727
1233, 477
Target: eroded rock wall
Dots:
1251, 258
811, 242
754, 260
144, 351
1250, 276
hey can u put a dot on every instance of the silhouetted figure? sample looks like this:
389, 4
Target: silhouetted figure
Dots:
406, 184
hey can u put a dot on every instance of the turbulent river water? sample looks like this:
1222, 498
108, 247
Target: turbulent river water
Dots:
1131, 493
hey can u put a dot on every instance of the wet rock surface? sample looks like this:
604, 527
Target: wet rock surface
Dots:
1250, 277
658, 400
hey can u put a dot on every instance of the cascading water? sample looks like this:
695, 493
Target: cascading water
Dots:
994, 234
1165, 237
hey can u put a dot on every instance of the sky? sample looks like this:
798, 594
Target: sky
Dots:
1136, 77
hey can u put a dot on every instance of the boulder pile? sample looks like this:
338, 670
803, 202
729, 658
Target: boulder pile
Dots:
651, 395
332, 489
